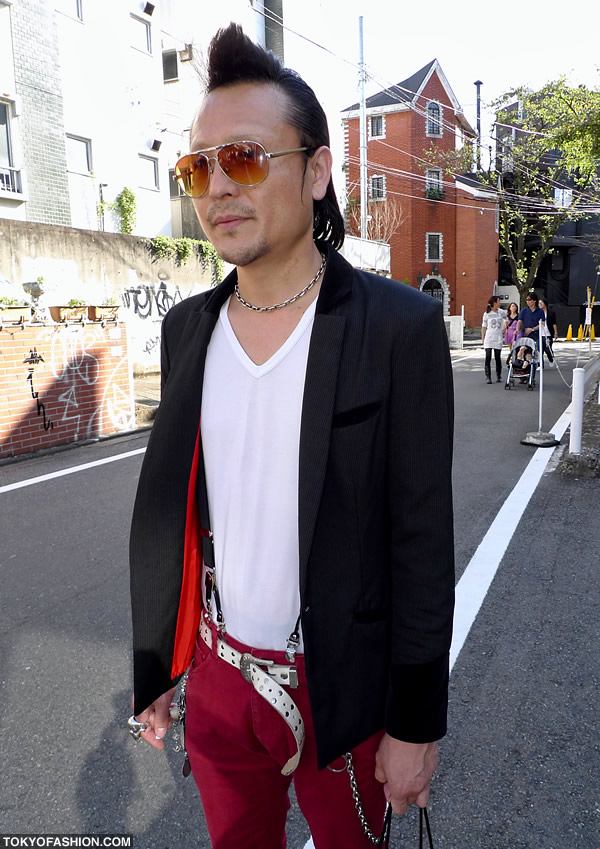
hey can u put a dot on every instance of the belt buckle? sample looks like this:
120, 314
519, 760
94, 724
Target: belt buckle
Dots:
293, 677
246, 660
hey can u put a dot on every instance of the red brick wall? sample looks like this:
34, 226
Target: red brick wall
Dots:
476, 256
61, 384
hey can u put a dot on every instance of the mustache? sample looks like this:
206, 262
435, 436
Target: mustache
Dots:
215, 212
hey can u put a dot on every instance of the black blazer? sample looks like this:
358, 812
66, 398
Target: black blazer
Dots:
375, 522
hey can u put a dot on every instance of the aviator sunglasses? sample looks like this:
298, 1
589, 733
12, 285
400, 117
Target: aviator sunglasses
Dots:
244, 162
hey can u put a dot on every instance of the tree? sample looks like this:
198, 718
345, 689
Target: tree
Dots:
384, 218
546, 170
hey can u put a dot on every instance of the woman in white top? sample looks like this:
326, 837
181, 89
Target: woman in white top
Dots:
492, 336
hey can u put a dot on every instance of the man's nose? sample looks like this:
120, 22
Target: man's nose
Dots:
219, 183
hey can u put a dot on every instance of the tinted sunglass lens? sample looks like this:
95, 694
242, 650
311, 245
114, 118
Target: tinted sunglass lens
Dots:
245, 163
192, 174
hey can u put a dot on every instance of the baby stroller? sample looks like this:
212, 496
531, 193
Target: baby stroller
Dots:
522, 370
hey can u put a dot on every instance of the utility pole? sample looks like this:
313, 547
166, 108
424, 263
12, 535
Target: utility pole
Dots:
363, 138
478, 84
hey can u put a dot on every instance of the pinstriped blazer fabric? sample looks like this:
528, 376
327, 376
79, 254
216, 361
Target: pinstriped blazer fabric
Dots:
375, 507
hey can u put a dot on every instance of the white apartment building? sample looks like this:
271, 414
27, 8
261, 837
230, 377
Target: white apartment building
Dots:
96, 97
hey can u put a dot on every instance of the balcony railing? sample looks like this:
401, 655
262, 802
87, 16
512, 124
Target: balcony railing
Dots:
10, 180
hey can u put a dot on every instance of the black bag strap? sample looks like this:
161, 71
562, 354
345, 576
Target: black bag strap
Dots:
423, 815
384, 840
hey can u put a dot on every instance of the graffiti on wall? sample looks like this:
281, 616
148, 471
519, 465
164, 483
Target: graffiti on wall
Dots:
152, 345
149, 301
32, 360
76, 373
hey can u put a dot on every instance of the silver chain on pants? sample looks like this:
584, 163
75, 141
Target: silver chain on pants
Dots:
357, 800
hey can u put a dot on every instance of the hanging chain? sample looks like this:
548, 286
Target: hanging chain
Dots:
357, 800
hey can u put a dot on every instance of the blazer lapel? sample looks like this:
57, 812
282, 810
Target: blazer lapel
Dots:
315, 429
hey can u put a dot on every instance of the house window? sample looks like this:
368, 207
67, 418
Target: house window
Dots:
79, 155
433, 184
377, 188
563, 197
377, 127
434, 119
10, 178
148, 172
141, 34
5, 146
170, 72
433, 247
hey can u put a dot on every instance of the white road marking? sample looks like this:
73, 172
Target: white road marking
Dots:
475, 581
69, 471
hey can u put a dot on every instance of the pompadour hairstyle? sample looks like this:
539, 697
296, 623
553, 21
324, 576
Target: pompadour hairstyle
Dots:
234, 58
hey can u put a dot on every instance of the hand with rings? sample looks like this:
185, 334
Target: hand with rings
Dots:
151, 724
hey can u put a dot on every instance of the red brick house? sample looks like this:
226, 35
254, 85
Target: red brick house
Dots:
447, 240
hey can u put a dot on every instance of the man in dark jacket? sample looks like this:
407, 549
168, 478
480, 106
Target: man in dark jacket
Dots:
296, 547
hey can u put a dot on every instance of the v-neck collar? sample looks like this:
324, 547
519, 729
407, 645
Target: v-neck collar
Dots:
280, 354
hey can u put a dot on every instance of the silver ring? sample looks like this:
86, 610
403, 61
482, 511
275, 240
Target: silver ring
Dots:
136, 728
344, 768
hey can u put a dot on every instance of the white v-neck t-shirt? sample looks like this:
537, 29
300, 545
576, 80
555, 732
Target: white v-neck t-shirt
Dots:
250, 438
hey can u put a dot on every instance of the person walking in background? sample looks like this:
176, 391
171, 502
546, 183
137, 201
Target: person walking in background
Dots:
510, 332
529, 317
492, 329
551, 329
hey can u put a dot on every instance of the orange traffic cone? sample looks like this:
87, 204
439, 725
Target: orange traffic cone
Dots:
580, 333
569, 336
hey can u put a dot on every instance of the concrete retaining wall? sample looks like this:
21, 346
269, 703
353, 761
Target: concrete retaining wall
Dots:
97, 267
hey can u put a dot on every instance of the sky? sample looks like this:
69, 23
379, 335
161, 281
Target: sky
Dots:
516, 42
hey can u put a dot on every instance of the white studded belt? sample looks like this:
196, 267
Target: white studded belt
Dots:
268, 684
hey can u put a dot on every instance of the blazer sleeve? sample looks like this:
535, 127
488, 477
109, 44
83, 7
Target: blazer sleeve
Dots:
421, 529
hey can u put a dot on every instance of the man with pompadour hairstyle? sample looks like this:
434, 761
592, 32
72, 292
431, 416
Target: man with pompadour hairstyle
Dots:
292, 542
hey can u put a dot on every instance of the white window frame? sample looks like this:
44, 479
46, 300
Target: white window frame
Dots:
154, 160
88, 147
148, 28
433, 182
9, 146
441, 248
428, 120
380, 135
10, 176
377, 197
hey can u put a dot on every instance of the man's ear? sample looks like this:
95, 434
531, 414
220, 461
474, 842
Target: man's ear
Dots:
321, 163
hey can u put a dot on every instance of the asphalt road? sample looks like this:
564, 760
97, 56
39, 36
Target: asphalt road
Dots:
520, 765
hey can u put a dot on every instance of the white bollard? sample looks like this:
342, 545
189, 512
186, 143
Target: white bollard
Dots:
576, 411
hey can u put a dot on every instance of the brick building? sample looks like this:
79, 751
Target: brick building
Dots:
445, 238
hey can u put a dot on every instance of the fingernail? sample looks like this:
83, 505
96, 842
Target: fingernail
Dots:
160, 733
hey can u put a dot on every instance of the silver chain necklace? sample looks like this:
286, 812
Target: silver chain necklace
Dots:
289, 301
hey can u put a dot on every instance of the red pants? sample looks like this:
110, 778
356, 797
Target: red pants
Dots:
237, 744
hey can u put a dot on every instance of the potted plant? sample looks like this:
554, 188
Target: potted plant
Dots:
14, 311
108, 310
74, 310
